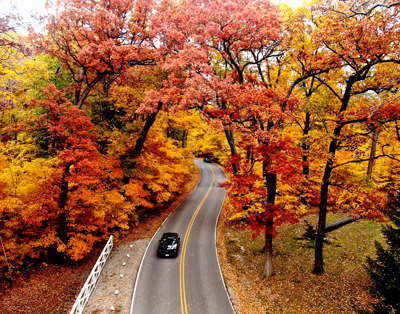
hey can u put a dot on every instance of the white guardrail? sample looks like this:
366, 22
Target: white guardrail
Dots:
90, 283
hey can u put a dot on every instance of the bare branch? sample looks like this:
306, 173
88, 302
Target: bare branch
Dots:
366, 159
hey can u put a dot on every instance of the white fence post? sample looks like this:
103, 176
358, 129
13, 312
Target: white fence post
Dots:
90, 283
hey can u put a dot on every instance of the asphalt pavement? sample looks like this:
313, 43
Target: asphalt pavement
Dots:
191, 282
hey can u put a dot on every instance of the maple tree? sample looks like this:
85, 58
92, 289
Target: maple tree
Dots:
355, 89
219, 50
100, 43
97, 40
365, 57
49, 208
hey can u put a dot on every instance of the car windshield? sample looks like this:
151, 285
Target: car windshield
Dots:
169, 240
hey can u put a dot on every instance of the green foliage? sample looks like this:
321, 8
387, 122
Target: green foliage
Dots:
384, 270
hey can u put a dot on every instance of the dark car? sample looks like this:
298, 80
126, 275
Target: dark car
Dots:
169, 245
207, 159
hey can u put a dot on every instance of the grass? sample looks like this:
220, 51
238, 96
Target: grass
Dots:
294, 289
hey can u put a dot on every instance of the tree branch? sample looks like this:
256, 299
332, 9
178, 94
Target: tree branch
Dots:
362, 160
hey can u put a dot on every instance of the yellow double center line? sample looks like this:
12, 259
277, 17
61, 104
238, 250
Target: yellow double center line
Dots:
183, 253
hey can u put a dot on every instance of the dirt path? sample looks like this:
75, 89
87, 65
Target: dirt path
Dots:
104, 296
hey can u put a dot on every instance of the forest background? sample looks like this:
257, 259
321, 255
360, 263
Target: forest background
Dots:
104, 108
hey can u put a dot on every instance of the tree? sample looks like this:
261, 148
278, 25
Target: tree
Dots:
384, 270
360, 7
229, 43
51, 210
12, 51
10, 41
104, 44
364, 57
97, 40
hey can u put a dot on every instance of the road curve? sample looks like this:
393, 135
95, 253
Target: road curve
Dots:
192, 282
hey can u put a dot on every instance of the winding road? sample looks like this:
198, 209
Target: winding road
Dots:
192, 282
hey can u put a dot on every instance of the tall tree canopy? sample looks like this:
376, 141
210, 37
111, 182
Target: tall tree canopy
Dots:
100, 124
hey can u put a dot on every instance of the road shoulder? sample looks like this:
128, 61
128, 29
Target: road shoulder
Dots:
117, 277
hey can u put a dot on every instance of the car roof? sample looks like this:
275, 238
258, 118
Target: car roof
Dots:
170, 234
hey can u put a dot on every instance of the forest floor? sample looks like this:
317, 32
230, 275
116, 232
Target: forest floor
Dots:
294, 289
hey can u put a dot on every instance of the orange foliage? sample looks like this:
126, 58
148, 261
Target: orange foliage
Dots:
69, 178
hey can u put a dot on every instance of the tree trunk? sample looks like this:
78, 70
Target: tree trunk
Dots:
1, 127
184, 138
14, 120
231, 141
62, 218
80, 98
268, 268
140, 141
311, 232
318, 259
305, 148
63, 228
319, 262
340, 223
270, 179
333, 146
79, 86
373, 153
229, 137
